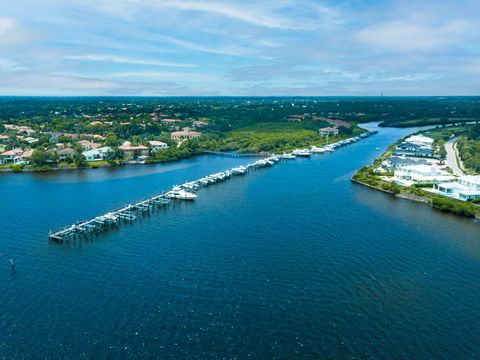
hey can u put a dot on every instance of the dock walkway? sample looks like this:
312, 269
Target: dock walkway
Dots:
130, 212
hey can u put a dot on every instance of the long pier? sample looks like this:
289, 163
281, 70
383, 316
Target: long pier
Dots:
237, 155
186, 191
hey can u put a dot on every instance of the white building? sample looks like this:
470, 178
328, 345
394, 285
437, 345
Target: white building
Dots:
8, 157
466, 188
421, 140
416, 146
328, 131
421, 175
157, 145
97, 154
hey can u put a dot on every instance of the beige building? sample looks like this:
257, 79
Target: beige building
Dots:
186, 133
133, 151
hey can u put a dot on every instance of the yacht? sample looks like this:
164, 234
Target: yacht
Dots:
317, 150
288, 156
301, 152
181, 195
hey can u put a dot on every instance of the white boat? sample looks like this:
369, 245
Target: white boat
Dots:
239, 170
301, 152
288, 156
273, 158
317, 150
181, 195
328, 148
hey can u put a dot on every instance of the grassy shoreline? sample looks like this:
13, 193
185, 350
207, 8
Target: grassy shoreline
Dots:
258, 139
367, 177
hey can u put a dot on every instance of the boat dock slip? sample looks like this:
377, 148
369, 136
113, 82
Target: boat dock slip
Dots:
237, 155
186, 191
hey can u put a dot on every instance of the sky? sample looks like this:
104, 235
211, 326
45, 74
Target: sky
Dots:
238, 48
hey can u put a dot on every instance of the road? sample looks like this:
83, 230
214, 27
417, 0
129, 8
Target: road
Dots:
452, 157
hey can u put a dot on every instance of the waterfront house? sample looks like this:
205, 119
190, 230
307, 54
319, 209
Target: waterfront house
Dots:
65, 154
466, 188
412, 149
184, 134
326, 131
398, 162
421, 175
8, 157
23, 158
88, 145
133, 151
472, 181
97, 154
416, 146
420, 140
157, 145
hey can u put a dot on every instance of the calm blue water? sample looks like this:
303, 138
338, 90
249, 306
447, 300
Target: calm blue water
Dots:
289, 262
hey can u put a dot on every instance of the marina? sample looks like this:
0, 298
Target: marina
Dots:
186, 192
276, 237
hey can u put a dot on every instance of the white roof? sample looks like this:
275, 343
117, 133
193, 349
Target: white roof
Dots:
422, 168
471, 179
101, 150
104, 149
420, 139
90, 152
450, 185
157, 143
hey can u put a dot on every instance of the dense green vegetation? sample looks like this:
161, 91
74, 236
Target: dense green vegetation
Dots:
468, 147
468, 209
271, 137
226, 113
367, 176
228, 124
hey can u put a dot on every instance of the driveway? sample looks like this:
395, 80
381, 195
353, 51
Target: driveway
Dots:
452, 157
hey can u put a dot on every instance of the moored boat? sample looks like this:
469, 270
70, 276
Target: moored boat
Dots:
181, 195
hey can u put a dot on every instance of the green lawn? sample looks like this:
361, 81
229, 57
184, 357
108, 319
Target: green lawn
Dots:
277, 137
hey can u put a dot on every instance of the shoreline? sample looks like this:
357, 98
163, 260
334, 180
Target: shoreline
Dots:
413, 193
427, 200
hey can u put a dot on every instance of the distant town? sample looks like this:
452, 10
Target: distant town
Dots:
123, 133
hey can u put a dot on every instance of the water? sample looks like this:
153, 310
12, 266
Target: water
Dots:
293, 261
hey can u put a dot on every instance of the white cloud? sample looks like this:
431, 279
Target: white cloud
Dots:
231, 50
243, 13
412, 34
124, 60
8, 65
6, 25
191, 76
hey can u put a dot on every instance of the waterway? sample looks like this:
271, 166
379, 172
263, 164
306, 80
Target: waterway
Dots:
293, 261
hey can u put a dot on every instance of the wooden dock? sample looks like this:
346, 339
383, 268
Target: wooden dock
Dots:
131, 212
103, 223
237, 155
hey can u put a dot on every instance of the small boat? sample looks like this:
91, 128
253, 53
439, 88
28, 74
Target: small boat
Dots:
328, 148
181, 195
301, 152
288, 156
317, 150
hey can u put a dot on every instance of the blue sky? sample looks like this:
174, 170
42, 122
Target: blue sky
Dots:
282, 47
